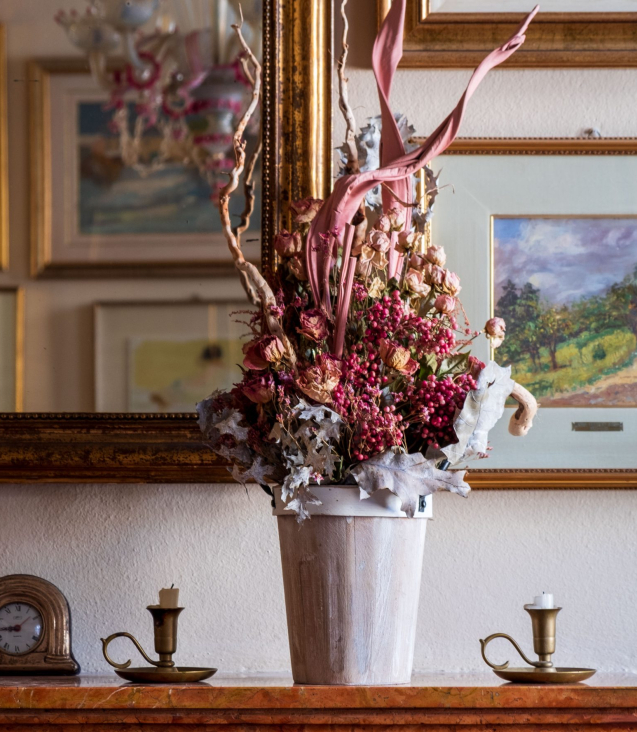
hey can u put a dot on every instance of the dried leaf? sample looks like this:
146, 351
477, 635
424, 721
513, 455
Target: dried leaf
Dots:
230, 425
299, 504
483, 407
297, 478
408, 477
260, 472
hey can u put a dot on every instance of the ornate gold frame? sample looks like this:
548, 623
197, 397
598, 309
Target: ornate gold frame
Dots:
4, 163
455, 40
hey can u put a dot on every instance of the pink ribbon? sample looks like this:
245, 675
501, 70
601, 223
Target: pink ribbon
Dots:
339, 209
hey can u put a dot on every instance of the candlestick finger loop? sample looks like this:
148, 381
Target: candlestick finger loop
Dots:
484, 643
107, 641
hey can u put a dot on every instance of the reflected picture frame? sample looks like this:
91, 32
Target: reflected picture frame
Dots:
554, 40
4, 162
12, 352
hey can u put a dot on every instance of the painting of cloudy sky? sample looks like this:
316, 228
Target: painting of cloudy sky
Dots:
567, 259
567, 288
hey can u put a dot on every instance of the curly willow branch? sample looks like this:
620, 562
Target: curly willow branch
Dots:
253, 281
353, 165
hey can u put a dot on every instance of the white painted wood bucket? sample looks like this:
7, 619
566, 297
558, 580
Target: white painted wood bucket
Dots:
351, 576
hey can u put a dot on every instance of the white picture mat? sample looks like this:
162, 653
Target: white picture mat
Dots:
116, 324
524, 6
8, 350
487, 186
67, 244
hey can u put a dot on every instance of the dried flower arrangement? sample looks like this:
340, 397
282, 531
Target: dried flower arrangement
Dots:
359, 370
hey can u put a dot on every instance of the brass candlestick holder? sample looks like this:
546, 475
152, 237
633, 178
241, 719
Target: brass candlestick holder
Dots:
542, 671
164, 670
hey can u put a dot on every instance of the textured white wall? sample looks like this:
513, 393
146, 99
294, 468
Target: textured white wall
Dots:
110, 548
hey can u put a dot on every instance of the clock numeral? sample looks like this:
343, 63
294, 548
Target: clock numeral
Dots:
7, 611
18, 608
17, 649
6, 645
0, 638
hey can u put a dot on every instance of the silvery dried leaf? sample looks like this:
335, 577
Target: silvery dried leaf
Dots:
299, 504
229, 425
330, 461
297, 478
408, 477
208, 417
483, 407
317, 413
329, 430
260, 472
241, 453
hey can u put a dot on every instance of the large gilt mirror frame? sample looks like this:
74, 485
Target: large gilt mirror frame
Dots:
457, 40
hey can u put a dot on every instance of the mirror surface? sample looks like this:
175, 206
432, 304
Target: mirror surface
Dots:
119, 286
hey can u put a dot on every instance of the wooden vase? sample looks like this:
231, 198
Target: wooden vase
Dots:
352, 586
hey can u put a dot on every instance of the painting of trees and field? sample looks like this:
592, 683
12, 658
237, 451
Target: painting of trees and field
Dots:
567, 288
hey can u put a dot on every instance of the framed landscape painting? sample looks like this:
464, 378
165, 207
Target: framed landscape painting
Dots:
94, 214
567, 289
544, 234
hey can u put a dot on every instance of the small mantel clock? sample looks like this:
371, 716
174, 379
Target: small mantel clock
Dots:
35, 628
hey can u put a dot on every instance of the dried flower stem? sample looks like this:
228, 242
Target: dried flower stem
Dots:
253, 281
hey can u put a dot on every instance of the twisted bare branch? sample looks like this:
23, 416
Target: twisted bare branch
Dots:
353, 165
253, 281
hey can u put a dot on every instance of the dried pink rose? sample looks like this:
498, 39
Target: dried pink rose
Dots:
396, 218
417, 261
259, 354
306, 209
397, 357
313, 325
445, 304
319, 381
434, 275
297, 268
451, 283
415, 282
288, 244
436, 255
406, 241
259, 389
378, 240
383, 224
495, 328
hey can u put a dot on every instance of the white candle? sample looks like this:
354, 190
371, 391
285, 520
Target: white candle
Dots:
543, 602
169, 597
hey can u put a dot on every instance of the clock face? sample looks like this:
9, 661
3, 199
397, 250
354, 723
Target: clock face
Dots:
20, 628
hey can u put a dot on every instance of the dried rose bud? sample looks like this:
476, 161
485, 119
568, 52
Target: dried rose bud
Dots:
407, 240
376, 289
434, 275
378, 240
451, 282
383, 224
417, 261
320, 380
297, 268
397, 357
436, 255
288, 244
415, 283
314, 325
495, 328
445, 304
259, 354
259, 389
396, 218
306, 209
